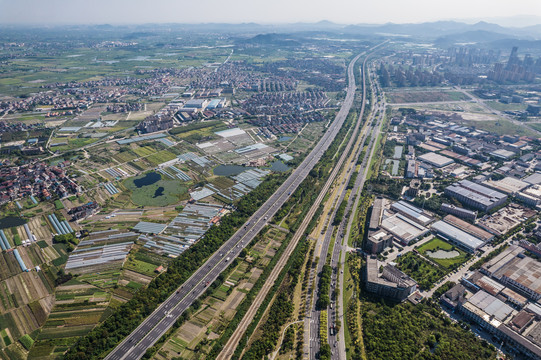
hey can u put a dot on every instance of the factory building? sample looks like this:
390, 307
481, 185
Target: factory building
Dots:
459, 212
196, 104
412, 212
435, 159
516, 271
520, 329
475, 195
378, 241
377, 211
404, 229
391, 283
469, 228
457, 236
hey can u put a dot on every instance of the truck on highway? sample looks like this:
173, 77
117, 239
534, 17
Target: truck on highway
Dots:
227, 259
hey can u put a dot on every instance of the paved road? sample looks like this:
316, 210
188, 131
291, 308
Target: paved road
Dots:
313, 314
232, 343
337, 340
156, 324
501, 114
312, 321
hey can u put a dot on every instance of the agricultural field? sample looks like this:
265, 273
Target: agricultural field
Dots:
86, 64
154, 190
78, 308
144, 262
302, 143
438, 245
197, 335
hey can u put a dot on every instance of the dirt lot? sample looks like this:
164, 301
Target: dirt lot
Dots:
401, 97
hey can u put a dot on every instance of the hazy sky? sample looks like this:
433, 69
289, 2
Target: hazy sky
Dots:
262, 11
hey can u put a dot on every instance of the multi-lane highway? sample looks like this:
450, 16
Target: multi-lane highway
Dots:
155, 325
337, 340
313, 314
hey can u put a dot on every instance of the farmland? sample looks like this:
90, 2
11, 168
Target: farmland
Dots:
160, 193
209, 322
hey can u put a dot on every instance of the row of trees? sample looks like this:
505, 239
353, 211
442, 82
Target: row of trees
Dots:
295, 208
281, 309
324, 299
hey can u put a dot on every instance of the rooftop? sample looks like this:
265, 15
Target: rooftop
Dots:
469, 228
533, 179
454, 233
491, 305
403, 228
508, 185
436, 159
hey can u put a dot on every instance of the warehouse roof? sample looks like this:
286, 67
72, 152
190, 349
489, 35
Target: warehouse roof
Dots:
403, 228
230, 132
411, 211
469, 228
533, 179
476, 192
436, 159
454, 233
491, 305
507, 185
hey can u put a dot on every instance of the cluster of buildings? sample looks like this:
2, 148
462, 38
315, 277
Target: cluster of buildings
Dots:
457, 151
125, 107
516, 69
476, 195
235, 75
289, 103
37, 179
83, 211
503, 299
275, 125
155, 123
402, 222
389, 283
11, 127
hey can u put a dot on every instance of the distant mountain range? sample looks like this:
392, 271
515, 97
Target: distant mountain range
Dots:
441, 33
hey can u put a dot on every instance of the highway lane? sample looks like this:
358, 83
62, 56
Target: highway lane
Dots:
156, 324
311, 304
337, 341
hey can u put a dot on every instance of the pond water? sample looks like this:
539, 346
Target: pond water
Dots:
443, 254
279, 166
149, 179
11, 221
158, 192
230, 170
285, 138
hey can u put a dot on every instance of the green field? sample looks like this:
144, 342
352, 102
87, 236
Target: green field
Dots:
420, 270
140, 267
506, 107
438, 244
501, 127
171, 192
